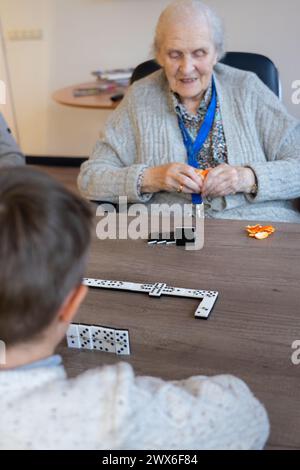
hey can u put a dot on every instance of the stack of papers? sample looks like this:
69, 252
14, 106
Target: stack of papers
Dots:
119, 76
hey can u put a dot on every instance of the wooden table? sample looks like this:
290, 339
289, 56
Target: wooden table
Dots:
249, 334
65, 175
103, 101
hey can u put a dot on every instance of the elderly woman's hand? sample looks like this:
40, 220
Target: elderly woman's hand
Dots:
226, 179
172, 177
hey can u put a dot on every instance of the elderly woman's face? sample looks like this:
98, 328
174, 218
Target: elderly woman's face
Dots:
188, 56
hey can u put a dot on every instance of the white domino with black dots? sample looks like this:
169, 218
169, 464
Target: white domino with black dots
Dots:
98, 338
73, 340
85, 337
103, 339
122, 342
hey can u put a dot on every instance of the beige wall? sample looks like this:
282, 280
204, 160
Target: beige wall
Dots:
6, 104
82, 35
28, 62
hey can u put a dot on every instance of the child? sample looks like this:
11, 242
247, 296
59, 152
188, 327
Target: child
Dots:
44, 240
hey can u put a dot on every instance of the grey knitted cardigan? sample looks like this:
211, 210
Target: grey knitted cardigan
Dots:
10, 154
143, 131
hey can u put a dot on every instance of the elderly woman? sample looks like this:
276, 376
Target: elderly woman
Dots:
198, 113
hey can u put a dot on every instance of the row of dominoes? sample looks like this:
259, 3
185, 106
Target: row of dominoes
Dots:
98, 338
204, 309
181, 237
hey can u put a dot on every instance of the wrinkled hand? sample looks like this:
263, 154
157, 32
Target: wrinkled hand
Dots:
226, 179
171, 178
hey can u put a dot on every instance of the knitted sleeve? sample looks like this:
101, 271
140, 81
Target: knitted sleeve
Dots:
198, 413
113, 169
10, 154
279, 133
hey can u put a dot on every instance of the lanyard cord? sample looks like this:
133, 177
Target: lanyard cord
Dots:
193, 148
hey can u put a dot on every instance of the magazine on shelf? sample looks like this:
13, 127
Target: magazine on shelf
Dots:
116, 75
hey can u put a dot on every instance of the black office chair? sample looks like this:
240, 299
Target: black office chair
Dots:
144, 69
257, 63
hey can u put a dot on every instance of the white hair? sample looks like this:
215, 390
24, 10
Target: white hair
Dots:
186, 9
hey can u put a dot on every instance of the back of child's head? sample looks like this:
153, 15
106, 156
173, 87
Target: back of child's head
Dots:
44, 238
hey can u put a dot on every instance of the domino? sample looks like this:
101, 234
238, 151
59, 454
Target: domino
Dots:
181, 237
157, 289
122, 342
72, 335
85, 337
117, 285
103, 339
98, 338
204, 309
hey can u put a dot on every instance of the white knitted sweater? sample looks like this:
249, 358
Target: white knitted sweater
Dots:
110, 408
259, 133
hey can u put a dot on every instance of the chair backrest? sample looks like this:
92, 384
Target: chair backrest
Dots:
144, 69
257, 63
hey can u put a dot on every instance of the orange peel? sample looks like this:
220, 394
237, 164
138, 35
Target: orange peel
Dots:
261, 235
203, 173
260, 232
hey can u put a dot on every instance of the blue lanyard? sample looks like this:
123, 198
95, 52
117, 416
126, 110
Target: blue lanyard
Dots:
193, 148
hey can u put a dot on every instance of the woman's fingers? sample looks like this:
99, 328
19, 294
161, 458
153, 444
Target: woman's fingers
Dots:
188, 183
172, 177
222, 188
192, 174
191, 181
221, 181
210, 188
